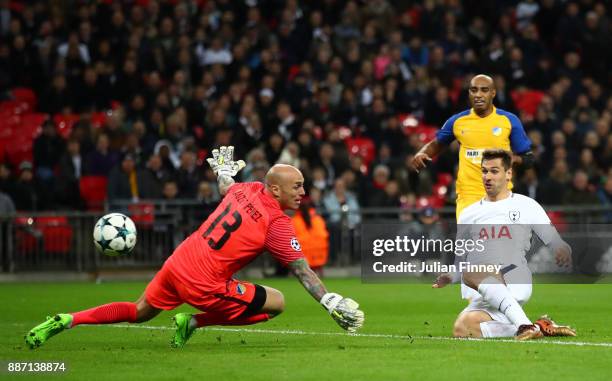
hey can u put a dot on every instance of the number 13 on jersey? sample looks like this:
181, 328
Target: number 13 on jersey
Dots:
229, 224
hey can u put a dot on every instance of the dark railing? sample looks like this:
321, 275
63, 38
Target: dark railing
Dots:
62, 241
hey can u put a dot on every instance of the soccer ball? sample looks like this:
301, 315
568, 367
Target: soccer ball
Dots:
114, 234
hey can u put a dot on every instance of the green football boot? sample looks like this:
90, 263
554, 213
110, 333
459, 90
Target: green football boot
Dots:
183, 330
42, 332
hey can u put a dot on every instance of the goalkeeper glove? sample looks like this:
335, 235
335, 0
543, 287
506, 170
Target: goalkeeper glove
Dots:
222, 162
344, 311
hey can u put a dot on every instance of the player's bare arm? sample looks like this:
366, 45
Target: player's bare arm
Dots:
308, 278
425, 154
344, 311
224, 182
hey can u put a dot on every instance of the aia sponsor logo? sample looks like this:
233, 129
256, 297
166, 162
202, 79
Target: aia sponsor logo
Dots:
495, 232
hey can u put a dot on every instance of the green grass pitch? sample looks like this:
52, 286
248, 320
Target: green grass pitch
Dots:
405, 337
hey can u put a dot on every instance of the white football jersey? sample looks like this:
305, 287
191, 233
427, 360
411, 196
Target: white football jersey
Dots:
506, 228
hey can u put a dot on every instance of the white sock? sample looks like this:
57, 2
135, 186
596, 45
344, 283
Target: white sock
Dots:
490, 329
498, 296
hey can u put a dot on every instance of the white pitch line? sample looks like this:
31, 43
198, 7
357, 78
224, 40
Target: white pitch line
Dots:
372, 335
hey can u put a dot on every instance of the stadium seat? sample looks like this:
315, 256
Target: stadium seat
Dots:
93, 191
445, 179
25, 94
527, 100
56, 232
202, 155
14, 107
425, 132
31, 123
143, 214
64, 123
433, 201
19, 149
440, 190
8, 127
25, 235
558, 220
408, 123
98, 120
363, 147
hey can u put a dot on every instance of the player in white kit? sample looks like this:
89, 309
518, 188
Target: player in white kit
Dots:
504, 221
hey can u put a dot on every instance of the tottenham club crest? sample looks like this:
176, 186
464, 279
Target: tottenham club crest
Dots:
514, 215
295, 244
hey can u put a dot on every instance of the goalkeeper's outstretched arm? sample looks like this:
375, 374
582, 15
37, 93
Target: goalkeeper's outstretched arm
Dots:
224, 182
308, 278
344, 311
224, 166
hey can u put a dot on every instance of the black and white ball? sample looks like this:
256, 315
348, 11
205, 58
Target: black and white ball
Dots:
115, 234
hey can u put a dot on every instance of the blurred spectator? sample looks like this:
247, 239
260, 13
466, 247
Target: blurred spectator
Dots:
429, 225
215, 54
168, 156
342, 206
7, 207
69, 173
6, 181
25, 190
342, 210
181, 77
132, 147
385, 157
290, 155
503, 99
327, 162
57, 98
255, 161
288, 125
316, 199
125, 181
439, 107
604, 193
312, 233
580, 192
153, 178
274, 148
188, 175
587, 164
170, 190
91, 92
208, 195
554, 186
392, 195
393, 137
319, 179
48, 150
529, 185
376, 196
102, 159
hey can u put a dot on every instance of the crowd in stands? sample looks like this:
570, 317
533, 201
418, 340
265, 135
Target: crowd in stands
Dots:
139, 92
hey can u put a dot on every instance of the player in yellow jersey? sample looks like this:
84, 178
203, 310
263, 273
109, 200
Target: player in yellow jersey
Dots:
481, 127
